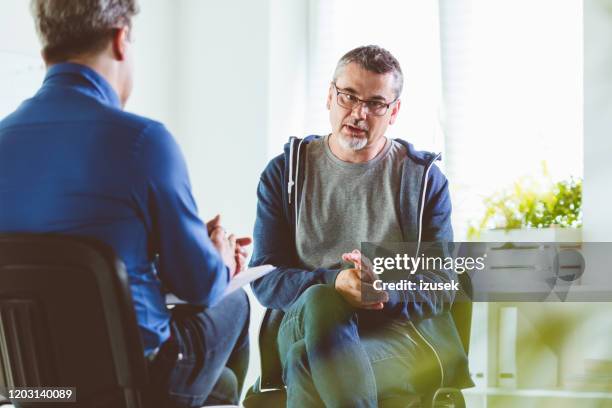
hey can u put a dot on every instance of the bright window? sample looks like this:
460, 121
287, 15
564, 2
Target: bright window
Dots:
512, 78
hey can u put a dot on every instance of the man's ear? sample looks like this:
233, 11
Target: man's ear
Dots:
394, 111
329, 96
120, 42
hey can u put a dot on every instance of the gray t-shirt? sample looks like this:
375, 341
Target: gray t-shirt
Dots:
344, 204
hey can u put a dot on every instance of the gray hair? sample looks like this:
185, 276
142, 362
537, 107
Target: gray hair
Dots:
374, 59
68, 28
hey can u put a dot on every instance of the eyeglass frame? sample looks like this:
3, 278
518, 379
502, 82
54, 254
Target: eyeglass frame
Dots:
362, 102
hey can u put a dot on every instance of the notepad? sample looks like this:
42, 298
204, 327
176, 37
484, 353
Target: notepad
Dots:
241, 279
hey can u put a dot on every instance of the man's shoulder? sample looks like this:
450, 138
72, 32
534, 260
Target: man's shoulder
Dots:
419, 157
275, 167
296, 144
422, 161
292, 147
140, 130
80, 111
134, 121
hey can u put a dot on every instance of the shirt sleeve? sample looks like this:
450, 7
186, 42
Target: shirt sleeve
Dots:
188, 263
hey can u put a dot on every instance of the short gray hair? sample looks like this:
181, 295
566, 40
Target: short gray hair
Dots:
68, 28
374, 59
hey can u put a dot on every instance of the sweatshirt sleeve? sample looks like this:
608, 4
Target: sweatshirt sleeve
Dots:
438, 208
188, 263
436, 241
275, 244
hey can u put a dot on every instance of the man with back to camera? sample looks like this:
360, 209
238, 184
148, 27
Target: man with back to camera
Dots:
73, 162
316, 203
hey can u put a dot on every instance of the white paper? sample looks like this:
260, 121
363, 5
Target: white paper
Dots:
242, 279
247, 276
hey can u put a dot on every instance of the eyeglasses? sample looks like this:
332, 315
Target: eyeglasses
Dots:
350, 101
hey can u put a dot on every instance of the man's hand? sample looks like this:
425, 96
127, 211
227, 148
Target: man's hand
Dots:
355, 284
231, 248
226, 247
241, 254
214, 223
362, 263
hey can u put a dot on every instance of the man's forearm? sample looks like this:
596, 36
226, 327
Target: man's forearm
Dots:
281, 287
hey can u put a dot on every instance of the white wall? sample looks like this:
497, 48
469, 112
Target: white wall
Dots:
202, 68
154, 38
222, 103
597, 120
21, 68
287, 75
597, 194
17, 28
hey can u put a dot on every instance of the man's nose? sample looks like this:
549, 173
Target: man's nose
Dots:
359, 111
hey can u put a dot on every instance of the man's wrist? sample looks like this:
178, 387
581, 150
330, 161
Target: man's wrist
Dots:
330, 275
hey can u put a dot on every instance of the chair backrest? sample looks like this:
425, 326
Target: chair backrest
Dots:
67, 319
271, 369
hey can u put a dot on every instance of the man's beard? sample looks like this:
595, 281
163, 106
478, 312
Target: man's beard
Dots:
352, 142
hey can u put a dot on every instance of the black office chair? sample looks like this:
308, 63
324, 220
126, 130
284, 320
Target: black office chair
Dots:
269, 389
66, 319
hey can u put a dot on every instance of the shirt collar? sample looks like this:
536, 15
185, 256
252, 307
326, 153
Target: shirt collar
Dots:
85, 80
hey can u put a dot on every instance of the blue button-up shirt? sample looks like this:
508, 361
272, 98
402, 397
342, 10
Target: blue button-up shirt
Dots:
72, 162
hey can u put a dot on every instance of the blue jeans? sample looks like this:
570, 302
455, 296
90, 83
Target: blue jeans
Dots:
206, 358
336, 356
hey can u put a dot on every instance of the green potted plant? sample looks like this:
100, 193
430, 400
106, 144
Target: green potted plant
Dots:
528, 212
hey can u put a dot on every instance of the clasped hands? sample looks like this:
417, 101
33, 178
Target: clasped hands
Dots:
231, 249
356, 284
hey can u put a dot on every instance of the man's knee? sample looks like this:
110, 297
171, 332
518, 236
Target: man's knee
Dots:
237, 305
318, 295
225, 390
323, 301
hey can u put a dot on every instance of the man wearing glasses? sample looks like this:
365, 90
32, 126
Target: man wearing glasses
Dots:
316, 203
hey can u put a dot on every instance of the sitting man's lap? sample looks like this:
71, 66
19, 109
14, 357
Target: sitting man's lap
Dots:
206, 357
333, 354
